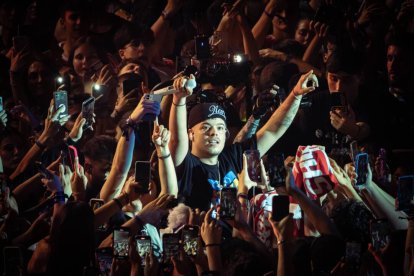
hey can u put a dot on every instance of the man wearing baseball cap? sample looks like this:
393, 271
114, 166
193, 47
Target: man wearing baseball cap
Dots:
204, 164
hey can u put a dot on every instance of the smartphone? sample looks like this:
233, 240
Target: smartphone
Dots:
405, 194
129, 84
1, 103
13, 260
104, 260
228, 197
171, 246
73, 154
353, 254
202, 47
19, 42
42, 170
280, 207
276, 169
61, 98
337, 101
143, 246
96, 203
353, 149
189, 239
361, 168
143, 175
380, 233
121, 243
88, 107
253, 165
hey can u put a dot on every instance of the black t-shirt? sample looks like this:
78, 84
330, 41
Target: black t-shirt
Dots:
199, 183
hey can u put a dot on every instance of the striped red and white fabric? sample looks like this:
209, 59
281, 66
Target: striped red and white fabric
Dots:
312, 171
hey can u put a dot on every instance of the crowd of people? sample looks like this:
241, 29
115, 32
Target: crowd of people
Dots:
184, 137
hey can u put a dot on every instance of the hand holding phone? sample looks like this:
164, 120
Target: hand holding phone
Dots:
96, 203
171, 246
104, 259
380, 233
405, 194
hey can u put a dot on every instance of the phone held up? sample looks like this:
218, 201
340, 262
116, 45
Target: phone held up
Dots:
88, 107
280, 207
143, 246
253, 165
189, 238
380, 233
104, 260
121, 243
61, 99
143, 175
405, 194
361, 168
228, 197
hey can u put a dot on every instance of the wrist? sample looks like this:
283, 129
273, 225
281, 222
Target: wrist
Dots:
162, 150
179, 101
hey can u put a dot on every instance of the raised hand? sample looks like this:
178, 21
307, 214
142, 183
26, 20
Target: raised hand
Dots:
307, 83
185, 86
160, 136
210, 230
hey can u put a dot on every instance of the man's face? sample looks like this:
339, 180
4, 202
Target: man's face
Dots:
343, 82
40, 79
74, 24
397, 66
134, 50
208, 138
97, 170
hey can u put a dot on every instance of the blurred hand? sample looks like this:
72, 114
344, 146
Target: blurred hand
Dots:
320, 29
78, 180
283, 229
52, 123
196, 217
145, 107
77, 130
344, 122
106, 76
270, 53
160, 136
210, 230
3, 119
152, 265
156, 209
53, 183
65, 174
127, 102
20, 60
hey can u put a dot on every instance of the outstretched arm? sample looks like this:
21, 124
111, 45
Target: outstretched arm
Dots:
178, 120
281, 119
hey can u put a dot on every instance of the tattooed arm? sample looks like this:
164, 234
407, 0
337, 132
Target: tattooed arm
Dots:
281, 119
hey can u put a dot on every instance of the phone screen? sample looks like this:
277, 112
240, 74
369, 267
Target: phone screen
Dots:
253, 165
228, 197
143, 247
61, 98
337, 100
96, 203
361, 168
143, 175
405, 194
104, 259
277, 171
380, 233
190, 239
88, 107
171, 246
280, 207
1, 103
120, 246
